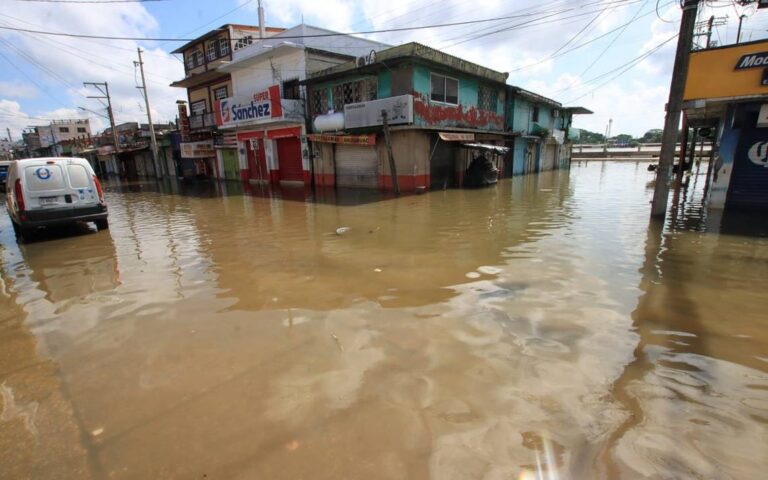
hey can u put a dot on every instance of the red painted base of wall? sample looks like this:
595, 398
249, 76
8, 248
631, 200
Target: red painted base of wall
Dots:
407, 183
274, 176
325, 179
244, 176
307, 177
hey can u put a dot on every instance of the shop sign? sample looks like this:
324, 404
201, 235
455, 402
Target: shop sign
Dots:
752, 60
262, 106
197, 149
457, 137
369, 139
368, 114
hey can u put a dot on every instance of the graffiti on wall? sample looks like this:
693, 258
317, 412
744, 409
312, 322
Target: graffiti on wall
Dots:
434, 114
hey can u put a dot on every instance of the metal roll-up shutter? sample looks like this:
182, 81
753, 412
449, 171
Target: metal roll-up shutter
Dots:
548, 162
749, 178
357, 166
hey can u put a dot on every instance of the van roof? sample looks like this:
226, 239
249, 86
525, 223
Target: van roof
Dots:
48, 159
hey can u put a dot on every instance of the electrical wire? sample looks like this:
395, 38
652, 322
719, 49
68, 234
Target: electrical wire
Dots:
629, 66
288, 37
658, 15
91, 1
613, 41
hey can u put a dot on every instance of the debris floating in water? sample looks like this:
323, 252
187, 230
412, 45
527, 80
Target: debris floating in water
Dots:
377, 270
342, 230
97, 432
338, 342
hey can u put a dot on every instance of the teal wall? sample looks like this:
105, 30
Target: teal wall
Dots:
385, 84
518, 157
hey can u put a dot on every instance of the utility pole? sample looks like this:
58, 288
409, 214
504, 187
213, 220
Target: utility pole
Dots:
143, 88
392, 167
738, 32
674, 105
262, 27
9, 134
105, 96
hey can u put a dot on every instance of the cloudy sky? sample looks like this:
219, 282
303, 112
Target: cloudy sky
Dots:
607, 55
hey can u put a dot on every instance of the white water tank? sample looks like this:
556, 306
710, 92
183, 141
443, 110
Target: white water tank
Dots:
330, 122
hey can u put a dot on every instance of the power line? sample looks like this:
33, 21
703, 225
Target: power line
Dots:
287, 37
629, 66
610, 44
91, 1
583, 44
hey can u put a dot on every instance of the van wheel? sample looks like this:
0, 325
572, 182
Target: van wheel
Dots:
16, 229
102, 224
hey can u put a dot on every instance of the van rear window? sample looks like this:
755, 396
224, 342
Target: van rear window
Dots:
44, 177
78, 176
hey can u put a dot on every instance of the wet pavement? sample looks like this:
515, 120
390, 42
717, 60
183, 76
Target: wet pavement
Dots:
541, 324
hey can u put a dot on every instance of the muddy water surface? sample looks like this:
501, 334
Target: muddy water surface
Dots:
539, 325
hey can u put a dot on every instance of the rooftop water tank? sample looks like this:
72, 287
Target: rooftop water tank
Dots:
330, 122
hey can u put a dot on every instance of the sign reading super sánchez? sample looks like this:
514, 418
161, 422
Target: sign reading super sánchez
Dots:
261, 107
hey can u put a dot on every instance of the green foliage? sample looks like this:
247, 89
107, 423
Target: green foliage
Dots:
652, 136
591, 137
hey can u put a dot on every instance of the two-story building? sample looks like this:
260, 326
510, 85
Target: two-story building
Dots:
267, 111
205, 85
441, 111
542, 132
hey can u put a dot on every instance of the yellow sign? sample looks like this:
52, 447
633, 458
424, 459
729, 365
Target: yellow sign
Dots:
723, 73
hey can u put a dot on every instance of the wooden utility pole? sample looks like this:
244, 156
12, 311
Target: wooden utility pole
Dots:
674, 105
392, 168
143, 88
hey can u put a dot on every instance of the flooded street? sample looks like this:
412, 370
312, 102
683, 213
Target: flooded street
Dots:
460, 334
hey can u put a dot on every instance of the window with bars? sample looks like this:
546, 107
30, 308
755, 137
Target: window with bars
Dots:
210, 51
354, 92
220, 93
243, 42
319, 101
194, 59
198, 108
223, 46
487, 98
535, 114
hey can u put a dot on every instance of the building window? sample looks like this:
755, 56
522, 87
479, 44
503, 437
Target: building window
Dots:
535, 114
81, 130
210, 51
354, 92
487, 98
223, 46
243, 42
444, 89
291, 89
319, 101
195, 59
220, 93
198, 108
64, 129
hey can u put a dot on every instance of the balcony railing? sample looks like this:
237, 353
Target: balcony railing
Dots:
205, 120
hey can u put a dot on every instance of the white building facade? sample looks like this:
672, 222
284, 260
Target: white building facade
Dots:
268, 108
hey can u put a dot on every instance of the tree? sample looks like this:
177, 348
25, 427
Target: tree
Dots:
652, 136
591, 137
623, 139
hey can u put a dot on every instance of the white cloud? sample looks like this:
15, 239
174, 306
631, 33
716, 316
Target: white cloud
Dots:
16, 89
67, 62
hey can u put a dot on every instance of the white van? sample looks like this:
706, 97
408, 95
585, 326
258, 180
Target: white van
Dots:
50, 191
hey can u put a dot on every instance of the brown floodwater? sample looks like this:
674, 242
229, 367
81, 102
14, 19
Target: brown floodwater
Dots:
543, 326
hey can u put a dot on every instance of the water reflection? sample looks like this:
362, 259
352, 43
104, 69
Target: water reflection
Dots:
540, 324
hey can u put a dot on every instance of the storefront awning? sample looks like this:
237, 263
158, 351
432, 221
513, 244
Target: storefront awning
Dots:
368, 139
457, 137
483, 146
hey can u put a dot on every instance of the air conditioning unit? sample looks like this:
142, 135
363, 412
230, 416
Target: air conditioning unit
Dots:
360, 61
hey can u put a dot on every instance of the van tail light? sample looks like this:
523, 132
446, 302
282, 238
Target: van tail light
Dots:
19, 196
99, 189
